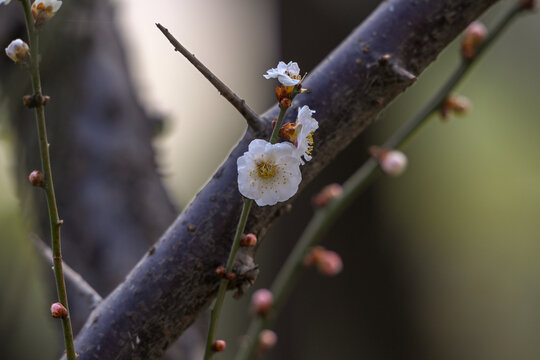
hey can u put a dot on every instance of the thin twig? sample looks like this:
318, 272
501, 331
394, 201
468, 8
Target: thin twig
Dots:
54, 219
225, 281
352, 188
76, 280
253, 120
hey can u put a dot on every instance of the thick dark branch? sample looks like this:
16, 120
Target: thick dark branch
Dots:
253, 120
175, 280
75, 280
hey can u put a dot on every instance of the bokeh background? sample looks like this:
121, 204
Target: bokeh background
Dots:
440, 263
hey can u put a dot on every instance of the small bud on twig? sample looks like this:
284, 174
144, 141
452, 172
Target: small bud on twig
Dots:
285, 103
267, 340
230, 276
58, 311
475, 34
219, 345
457, 104
36, 178
221, 271
32, 101
248, 240
392, 162
43, 10
328, 262
18, 51
327, 194
261, 302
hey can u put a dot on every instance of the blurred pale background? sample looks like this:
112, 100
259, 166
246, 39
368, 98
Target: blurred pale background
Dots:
460, 230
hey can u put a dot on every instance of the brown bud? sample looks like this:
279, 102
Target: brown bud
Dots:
327, 194
36, 178
274, 122
457, 104
282, 92
32, 101
248, 240
288, 131
58, 311
267, 340
221, 271
285, 103
475, 34
219, 345
230, 276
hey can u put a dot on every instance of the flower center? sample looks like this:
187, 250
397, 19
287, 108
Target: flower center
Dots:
266, 170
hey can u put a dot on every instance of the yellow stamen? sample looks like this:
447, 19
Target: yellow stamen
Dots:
266, 170
310, 142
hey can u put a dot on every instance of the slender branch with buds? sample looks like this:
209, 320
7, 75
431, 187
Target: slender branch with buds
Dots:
354, 186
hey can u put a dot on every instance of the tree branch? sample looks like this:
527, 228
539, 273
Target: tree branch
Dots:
175, 280
239, 104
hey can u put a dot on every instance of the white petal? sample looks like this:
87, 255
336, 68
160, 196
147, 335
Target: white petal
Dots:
293, 68
287, 81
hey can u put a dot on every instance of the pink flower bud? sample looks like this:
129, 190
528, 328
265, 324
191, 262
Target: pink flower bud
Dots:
267, 340
58, 311
18, 51
248, 240
475, 34
261, 302
393, 162
219, 345
327, 194
330, 263
36, 178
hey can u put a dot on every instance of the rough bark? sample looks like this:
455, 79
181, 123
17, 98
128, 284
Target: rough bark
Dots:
175, 280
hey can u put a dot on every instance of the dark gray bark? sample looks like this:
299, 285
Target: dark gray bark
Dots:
175, 280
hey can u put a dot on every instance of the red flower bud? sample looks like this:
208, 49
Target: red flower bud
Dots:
58, 311
36, 178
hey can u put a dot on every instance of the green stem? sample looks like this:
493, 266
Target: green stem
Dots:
352, 188
225, 282
235, 247
275, 132
54, 218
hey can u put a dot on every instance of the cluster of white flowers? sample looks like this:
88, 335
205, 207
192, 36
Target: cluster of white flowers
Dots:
42, 10
270, 173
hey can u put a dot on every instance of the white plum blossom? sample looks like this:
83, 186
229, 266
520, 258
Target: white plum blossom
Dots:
268, 173
18, 51
43, 10
305, 127
5, 2
287, 74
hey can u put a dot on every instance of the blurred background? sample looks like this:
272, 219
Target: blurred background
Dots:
440, 263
